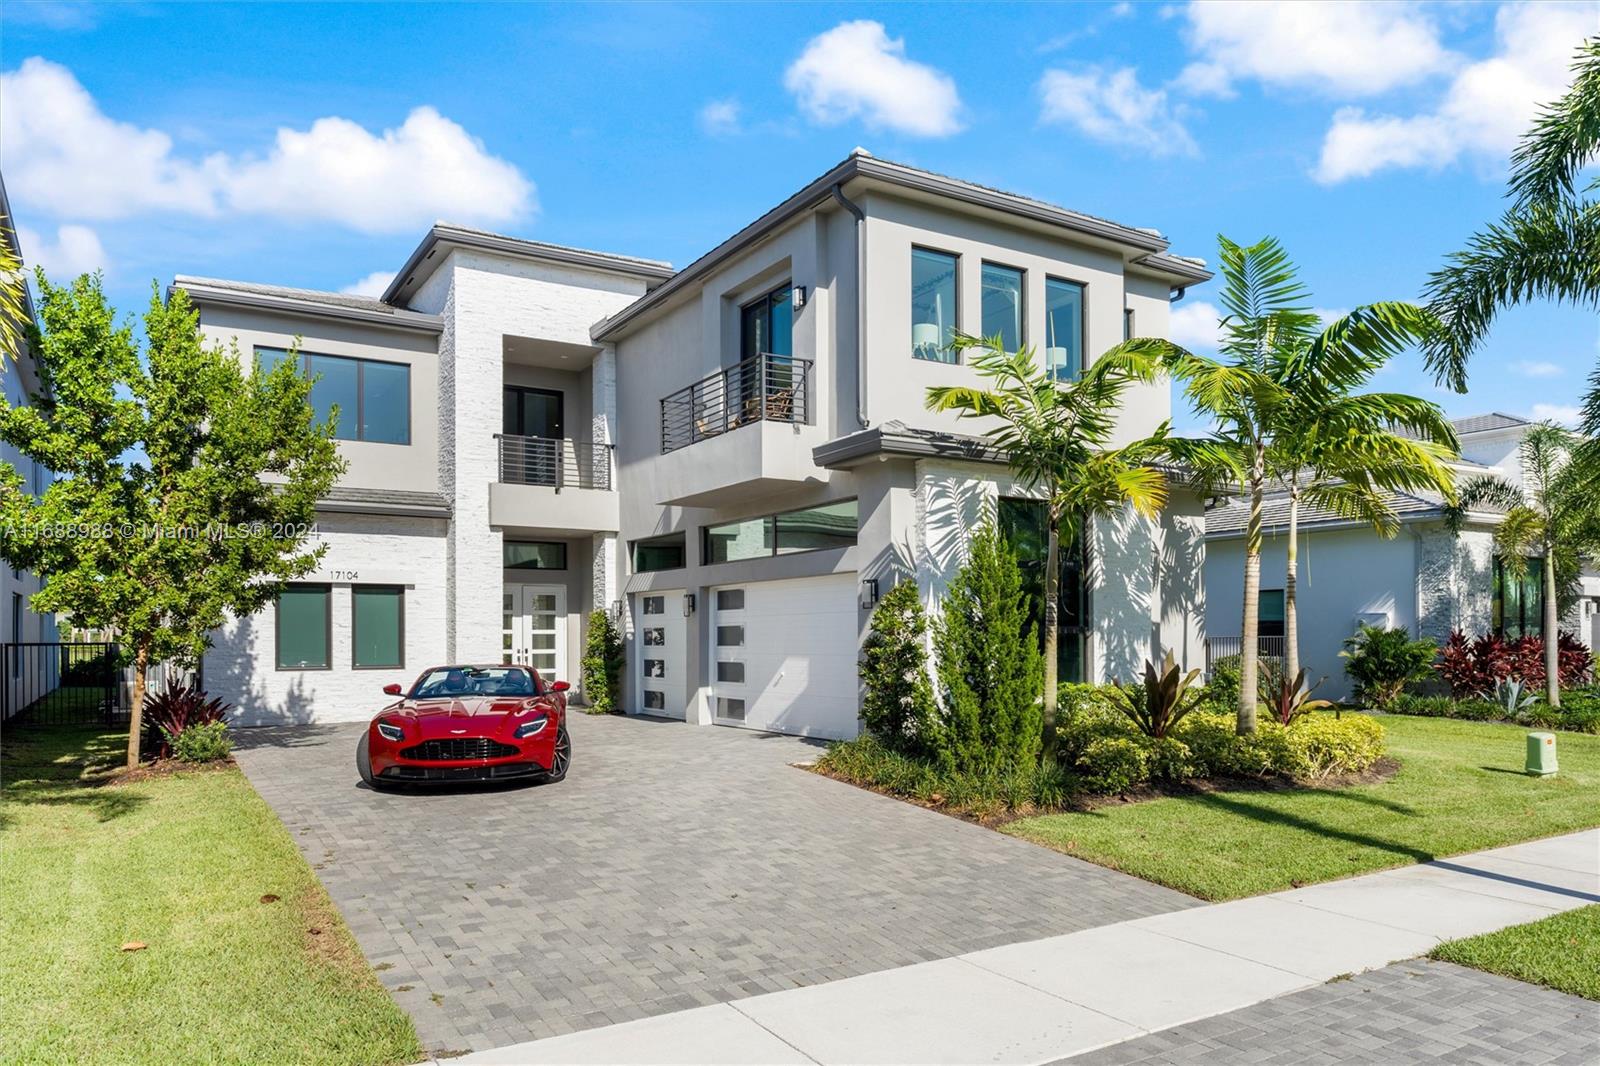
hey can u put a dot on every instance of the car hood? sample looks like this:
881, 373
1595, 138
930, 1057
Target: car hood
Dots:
476, 715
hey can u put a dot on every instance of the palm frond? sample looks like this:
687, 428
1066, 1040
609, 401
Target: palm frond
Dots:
1564, 138
1357, 503
1355, 346
1484, 492
1520, 532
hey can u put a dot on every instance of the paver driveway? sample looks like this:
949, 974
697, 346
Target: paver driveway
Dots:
677, 866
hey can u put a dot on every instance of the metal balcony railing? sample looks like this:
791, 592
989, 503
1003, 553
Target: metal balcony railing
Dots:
555, 462
1219, 648
763, 388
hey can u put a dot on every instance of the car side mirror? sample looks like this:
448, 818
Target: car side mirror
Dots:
392, 690
560, 686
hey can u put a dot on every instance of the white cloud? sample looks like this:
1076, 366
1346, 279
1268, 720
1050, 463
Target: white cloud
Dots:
1112, 106
1195, 326
75, 250
720, 118
67, 157
1487, 107
1344, 47
855, 70
1535, 368
1565, 414
371, 285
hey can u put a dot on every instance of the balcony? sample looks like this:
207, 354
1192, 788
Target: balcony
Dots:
553, 487
747, 428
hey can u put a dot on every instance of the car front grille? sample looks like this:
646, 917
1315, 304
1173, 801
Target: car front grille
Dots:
457, 748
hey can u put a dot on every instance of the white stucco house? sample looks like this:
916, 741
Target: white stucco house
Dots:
1426, 579
734, 458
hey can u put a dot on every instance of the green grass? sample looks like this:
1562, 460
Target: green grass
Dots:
180, 863
1560, 952
1460, 788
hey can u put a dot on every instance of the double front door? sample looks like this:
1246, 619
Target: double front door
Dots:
534, 628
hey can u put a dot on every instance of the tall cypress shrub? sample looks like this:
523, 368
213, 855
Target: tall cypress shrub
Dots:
990, 669
602, 664
898, 707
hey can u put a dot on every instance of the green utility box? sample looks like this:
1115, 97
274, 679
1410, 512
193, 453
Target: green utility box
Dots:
1541, 754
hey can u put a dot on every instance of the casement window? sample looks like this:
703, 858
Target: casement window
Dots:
766, 325
1517, 608
831, 525
378, 627
373, 397
534, 555
934, 305
1003, 310
304, 627
659, 553
1063, 329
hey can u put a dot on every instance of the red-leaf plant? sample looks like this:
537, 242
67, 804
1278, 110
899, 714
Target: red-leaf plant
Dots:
1473, 668
176, 707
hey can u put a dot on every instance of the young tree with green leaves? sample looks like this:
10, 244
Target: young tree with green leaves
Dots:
601, 668
186, 481
898, 706
1056, 437
1553, 515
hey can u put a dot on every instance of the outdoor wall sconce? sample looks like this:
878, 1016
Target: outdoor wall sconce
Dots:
688, 604
797, 297
869, 593
616, 610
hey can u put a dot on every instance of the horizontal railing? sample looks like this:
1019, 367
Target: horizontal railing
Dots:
555, 462
1219, 648
764, 388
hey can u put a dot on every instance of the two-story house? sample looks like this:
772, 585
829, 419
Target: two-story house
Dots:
735, 458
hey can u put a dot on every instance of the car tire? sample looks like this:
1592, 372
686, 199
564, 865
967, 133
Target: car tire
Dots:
364, 764
562, 760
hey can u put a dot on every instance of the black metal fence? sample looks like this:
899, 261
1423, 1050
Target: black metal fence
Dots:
62, 683
559, 463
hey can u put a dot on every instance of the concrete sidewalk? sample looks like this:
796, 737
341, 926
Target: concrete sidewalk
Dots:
1045, 1000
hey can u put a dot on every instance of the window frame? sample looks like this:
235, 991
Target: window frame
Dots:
1083, 322
1281, 623
355, 630
682, 539
955, 326
773, 517
1531, 579
765, 299
1022, 300
561, 410
327, 627
306, 356
504, 544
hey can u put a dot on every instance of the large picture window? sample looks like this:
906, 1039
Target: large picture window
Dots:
659, 553
831, 525
1003, 312
1518, 604
534, 555
373, 397
378, 627
1023, 525
303, 621
1063, 329
934, 317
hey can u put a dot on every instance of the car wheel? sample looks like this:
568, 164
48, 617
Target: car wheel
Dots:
562, 758
364, 764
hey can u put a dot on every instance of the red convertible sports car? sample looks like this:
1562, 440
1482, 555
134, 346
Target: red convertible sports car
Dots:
469, 723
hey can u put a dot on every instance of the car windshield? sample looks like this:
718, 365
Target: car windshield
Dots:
444, 682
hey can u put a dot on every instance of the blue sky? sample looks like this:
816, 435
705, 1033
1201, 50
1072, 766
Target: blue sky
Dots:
311, 144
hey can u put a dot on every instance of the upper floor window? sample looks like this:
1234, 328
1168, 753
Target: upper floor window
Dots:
373, 397
659, 553
1002, 305
1063, 328
766, 326
933, 305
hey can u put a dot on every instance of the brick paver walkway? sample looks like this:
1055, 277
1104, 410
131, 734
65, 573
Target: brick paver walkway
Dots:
677, 866
1412, 1012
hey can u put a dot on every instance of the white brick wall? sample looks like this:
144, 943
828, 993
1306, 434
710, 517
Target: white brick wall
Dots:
241, 666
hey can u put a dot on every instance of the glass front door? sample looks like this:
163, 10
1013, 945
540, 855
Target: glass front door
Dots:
534, 628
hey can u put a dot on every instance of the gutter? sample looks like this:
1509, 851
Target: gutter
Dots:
861, 301
411, 321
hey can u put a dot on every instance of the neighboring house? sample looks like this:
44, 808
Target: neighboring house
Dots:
1426, 579
28, 672
734, 458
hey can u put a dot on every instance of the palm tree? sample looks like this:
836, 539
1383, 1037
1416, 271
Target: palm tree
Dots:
1056, 438
1281, 406
1546, 246
13, 294
1554, 514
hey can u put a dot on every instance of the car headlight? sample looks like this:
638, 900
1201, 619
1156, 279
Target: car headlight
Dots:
532, 727
390, 731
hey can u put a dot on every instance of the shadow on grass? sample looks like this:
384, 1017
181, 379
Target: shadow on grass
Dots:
64, 766
1291, 821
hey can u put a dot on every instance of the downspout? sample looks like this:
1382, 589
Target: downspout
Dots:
861, 302
1177, 293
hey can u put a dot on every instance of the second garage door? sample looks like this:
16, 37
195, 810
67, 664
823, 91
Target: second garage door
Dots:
784, 656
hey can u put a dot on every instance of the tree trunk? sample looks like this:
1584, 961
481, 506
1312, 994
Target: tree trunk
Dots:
1291, 624
1552, 634
141, 663
1052, 593
1250, 628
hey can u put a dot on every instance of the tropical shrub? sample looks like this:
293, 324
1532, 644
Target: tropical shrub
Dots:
1511, 698
174, 710
1222, 690
1423, 706
1382, 662
601, 667
990, 670
1114, 764
1162, 701
203, 742
898, 706
1323, 745
1474, 667
868, 762
1287, 699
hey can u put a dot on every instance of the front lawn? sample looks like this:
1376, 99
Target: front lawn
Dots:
184, 864
1561, 952
1460, 788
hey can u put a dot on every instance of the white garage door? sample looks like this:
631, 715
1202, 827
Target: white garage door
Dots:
784, 656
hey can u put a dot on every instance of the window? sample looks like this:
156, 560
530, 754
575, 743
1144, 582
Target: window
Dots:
531, 413
304, 627
1127, 324
933, 305
378, 627
730, 671
655, 605
534, 555
730, 636
730, 708
655, 636
654, 701
730, 599
1063, 329
1002, 305
373, 397
1023, 525
655, 668
766, 325
658, 553
831, 525
1518, 604
1269, 613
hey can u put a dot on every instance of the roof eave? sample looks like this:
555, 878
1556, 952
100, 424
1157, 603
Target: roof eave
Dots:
413, 321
